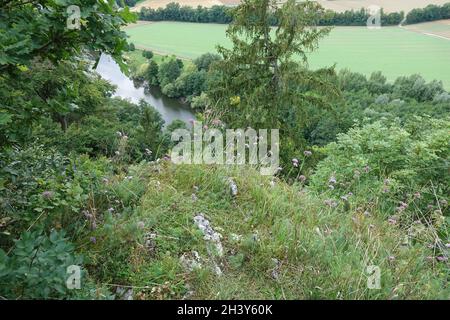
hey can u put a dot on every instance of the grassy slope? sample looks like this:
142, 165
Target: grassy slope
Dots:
321, 252
392, 50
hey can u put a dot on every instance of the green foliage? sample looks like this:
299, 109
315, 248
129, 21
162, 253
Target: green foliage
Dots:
168, 72
416, 88
258, 83
37, 267
205, 60
190, 84
223, 14
429, 13
147, 54
152, 73
175, 12
358, 18
200, 102
65, 93
46, 189
49, 38
389, 164
81, 174
273, 235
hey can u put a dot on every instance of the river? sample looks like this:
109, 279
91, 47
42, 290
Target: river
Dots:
170, 109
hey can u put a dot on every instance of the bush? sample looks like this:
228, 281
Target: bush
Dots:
416, 88
42, 188
205, 60
392, 165
169, 71
147, 54
37, 267
151, 74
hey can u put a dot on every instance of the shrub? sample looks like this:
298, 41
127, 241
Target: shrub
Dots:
393, 165
169, 71
147, 54
42, 188
37, 267
205, 60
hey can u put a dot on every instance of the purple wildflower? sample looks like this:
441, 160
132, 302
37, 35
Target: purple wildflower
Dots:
331, 203
93, 240
307, 153
141, 225
392, 221
332, 180
402, 206
47, 194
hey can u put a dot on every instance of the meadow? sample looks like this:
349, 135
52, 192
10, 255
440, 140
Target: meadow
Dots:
392, 50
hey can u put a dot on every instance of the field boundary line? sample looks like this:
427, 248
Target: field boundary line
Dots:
161, 53
425, 33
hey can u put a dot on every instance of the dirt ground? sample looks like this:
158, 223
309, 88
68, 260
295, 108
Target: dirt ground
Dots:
387, 5
439, 28
336, 5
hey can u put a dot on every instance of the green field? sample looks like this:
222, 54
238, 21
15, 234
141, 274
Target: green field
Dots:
392, 50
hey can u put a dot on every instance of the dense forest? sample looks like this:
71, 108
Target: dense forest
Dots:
222, 14
86, 178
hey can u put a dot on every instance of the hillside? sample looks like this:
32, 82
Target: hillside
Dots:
190, 238
242, 174
335, 5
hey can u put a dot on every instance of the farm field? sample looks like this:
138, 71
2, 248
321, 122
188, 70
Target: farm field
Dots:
337, 5
392, 50
440, 28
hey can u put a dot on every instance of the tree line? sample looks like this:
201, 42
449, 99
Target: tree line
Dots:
429, 13
222, 14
